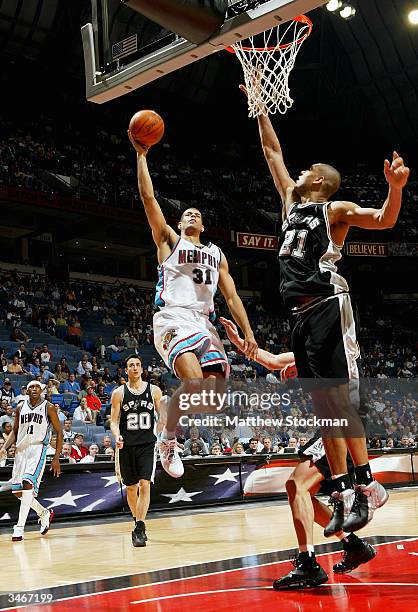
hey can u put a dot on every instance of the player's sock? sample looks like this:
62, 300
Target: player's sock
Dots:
363, 474
35, 505
25, 504
341, 482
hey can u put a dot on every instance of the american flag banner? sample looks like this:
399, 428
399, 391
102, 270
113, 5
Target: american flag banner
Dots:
125, 47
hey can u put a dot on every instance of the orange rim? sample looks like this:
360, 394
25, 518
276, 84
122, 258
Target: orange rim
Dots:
299, 18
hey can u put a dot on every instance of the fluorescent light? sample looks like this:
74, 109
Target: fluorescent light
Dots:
334, 5
348, 11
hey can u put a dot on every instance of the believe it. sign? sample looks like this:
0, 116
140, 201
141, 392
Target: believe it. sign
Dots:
367, 249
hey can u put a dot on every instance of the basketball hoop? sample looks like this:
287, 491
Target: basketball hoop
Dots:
267, 67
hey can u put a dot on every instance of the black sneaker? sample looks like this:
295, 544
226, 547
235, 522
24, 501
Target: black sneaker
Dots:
342, 504
139, 537
358, 516
307, 573
354, 556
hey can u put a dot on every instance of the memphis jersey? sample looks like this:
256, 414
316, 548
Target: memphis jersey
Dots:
33, 425
189, 277
308, 256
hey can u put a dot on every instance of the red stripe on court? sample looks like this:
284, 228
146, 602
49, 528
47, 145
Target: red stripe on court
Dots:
389, 582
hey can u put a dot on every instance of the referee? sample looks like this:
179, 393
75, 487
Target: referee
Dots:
133, 423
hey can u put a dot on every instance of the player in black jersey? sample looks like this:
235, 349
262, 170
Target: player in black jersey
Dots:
323, 338
133, 423
311, 477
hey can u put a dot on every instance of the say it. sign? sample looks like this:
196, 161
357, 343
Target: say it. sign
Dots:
256, 241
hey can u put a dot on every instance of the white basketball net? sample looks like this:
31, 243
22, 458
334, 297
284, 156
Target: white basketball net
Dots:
267, 68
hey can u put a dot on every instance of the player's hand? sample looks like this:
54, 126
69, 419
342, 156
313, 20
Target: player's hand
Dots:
55, 466
139, 148
119, 442
250, 347
232, 332
243, 89
288, 372
396, 173
3, 454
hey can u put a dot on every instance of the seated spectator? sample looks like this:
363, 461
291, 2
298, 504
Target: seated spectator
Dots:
267, 446
3, 461
67, 432
6, 428
107, 377
107, 443
18, 335
91, 457
22, 354
62, 414
252, 448
11, 451
8, 417
51, 388
66, 452
195, 449
195, 437
238, 449
108, 321
293, 444
22, 395
71, 386
83, 413
7, 391
15, 367
64, 366
52, 446
35, 368
84, 366
93, 402
216, 449
78, 451
59, 374
111, 452
45, 355
102, 395
389, 443
46, 374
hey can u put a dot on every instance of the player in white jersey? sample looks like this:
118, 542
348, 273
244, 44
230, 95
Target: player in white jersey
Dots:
189, 273
31, 433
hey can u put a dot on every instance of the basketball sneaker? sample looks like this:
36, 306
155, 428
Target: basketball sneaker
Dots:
354, 556
45, 520
307, 573
139, 537
170, 458
17, 533
366, 500
342, 503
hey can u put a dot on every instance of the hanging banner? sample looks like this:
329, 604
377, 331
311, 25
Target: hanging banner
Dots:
367, 249
256, 241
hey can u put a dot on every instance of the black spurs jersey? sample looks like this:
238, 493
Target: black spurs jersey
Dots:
307, 255
138, 417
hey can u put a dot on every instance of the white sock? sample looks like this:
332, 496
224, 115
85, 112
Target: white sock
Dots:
35, 505
337, 476
307, 548
25, 503
342, 535
168, 435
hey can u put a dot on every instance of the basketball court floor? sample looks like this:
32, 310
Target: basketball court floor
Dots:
218, 559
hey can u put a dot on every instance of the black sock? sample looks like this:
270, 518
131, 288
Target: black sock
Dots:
307, 557
342, 483
140, 524
363, 474
352, 541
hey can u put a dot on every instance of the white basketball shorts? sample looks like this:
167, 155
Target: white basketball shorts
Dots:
180, 330
29, 465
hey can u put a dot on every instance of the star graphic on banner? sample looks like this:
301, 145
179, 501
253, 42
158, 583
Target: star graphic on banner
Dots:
181, 495
68, 499
5, 517
227, 475
111, 480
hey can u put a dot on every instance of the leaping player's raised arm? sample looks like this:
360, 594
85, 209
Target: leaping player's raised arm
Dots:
346, 214
164, 236
274, 157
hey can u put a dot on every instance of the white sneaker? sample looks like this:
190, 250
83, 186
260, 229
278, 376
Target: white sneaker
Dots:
45, 520
17, 534
376, 495
170, 458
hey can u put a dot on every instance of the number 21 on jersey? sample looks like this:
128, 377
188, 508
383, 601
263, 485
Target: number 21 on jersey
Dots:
294, 243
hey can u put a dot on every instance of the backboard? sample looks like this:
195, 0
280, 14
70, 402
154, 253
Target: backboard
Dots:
124, 50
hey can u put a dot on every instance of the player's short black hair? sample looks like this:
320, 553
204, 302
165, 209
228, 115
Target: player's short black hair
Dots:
132, 356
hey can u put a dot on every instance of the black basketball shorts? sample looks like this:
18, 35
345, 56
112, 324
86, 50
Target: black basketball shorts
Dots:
137, 463
314, 451
324, 341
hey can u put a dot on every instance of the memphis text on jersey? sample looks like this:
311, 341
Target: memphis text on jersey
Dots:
194, 256
33, 417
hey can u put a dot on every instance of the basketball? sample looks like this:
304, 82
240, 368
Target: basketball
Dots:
147, 127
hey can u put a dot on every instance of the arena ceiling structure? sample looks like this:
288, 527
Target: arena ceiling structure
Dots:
371, 59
